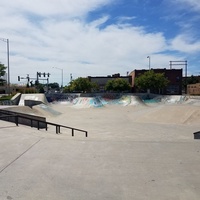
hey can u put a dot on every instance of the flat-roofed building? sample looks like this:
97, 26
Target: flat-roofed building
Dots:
102, 80
193, 89
173, 75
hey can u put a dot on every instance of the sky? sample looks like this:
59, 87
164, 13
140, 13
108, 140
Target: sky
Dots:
97, 37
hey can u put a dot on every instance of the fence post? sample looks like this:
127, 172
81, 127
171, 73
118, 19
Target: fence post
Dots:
86, 134
72, 132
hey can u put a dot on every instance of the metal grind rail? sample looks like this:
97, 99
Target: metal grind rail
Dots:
39, 122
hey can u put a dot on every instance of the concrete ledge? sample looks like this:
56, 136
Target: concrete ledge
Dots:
31, 103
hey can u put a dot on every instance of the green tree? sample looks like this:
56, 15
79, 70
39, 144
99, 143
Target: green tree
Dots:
2, 70
81, 85
192, 80
2, 73
40, 88
151, 80
117, 85
189, 80
54, 85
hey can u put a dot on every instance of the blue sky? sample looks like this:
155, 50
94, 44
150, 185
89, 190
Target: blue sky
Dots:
98, 37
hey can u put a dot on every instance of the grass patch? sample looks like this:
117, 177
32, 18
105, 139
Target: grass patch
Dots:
6, 97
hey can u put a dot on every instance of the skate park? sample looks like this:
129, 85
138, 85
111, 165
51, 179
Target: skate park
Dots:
134, 150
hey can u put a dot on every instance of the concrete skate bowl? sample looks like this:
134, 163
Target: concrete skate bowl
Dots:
125, 100
169, 99
87, 102
136, 101
100, 101
193, 100
171, 114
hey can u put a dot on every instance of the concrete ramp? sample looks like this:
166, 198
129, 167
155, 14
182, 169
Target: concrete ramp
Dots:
16, 98
87, 102
171, 114
125, 100
21, 109
129, 100
172, 99
32, 99
136, 101
46, 110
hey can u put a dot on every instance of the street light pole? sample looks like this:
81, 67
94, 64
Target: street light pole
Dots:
8, 60
61, 75
149, 62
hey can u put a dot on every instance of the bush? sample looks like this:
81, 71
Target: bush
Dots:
6, 97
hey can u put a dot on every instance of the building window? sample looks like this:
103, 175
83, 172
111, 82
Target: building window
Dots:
177, 79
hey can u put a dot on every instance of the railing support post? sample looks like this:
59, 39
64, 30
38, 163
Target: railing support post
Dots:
16, 120
38, 125
57, 129
72, 132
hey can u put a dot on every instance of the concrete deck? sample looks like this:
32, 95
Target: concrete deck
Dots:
123, 157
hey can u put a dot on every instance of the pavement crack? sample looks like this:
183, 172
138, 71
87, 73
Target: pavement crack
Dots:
20, 155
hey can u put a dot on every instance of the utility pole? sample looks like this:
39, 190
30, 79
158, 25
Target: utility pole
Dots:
8, 60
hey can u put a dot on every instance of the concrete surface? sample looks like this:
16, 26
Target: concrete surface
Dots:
128, 155
35, 97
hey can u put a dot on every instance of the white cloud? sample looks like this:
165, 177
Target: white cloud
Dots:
100, 21
71, 8
184, 43
194, 4
45, 33
184, 14
124, 19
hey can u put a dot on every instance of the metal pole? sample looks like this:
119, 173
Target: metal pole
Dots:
62, 78
8, 66
70, 77
8, 77
149, 62
186, 66
186, 77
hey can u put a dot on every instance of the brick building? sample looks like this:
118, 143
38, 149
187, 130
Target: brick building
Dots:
173, 75
193, 89
102, 80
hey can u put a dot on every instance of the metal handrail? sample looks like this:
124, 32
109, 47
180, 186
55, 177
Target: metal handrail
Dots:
58, 126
